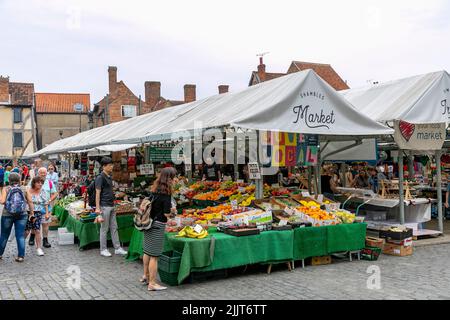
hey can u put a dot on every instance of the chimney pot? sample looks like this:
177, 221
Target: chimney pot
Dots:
152, 93
4, 89
223, 88
189, 93
262, 71
112, 76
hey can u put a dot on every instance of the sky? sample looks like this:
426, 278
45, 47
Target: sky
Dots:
66, 46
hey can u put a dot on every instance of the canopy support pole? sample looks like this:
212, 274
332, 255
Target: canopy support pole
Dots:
70, 165
400, 186
411, 164
259, 192
439, 191
309, 179
236, 165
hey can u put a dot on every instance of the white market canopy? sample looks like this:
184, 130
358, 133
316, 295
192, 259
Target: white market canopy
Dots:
419, 99
300, 102
107, 148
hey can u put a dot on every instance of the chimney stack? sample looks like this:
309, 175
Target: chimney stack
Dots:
4, 89
223, 88
189, 92
152, 93
112, 76
261, 70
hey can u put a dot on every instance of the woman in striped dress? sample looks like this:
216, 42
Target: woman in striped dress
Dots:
154, 237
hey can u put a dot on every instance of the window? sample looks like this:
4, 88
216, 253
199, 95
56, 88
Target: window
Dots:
17, 140
17, 115
128, 111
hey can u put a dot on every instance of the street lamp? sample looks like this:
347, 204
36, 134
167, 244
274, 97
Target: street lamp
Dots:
79, 107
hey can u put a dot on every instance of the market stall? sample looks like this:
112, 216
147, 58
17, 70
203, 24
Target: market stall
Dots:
418, 108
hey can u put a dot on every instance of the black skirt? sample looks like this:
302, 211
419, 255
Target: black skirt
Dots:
153, 242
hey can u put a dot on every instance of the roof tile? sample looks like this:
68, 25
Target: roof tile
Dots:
61, 102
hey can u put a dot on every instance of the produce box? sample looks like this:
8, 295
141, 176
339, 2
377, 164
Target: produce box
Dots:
169, 262
405, 242
397, 250
317, 261
285, 202
392, 235
242, 232
375, 242
252, 216
282, 228
370, 253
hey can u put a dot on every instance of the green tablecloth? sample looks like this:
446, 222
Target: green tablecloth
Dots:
88, 233
61, 214
269, 246
320, 241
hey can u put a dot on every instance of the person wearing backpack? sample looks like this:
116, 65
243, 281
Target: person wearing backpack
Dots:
153, 241
14, 213
104, 208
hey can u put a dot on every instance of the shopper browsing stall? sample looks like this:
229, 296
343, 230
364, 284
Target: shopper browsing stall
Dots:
211, 172
153, 242
104, 199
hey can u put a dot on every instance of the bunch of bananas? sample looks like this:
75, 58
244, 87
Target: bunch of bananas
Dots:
189, 232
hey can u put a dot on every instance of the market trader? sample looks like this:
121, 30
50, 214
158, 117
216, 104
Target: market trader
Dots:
104, 200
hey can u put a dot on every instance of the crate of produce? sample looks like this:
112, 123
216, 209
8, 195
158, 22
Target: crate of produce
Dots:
276, 227
169, 262
285, 201
168, 278
205, 203
370, 253
375, 242
396, 233
317, 261
242, 232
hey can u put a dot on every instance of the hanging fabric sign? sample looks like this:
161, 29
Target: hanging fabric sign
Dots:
410, 136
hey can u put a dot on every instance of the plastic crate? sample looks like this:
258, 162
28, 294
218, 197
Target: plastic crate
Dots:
168, 278
169, 262
370, 253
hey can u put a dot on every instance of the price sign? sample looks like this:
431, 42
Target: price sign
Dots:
143, 183
282, 222
320, 198
147, 169
188, 167
254, 171
234, 204
198, 228
240, 181
305, 194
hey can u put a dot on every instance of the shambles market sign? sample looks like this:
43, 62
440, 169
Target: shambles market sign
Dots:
412, 136
310, 113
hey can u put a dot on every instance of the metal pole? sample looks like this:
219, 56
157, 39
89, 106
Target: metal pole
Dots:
70, 156
309, 179
439, 191
236, 165
259, 192
400, 185
411, 164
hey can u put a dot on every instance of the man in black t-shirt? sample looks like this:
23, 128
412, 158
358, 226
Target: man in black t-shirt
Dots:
104, 200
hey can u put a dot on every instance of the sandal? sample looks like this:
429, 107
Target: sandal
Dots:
143, 280
19, 259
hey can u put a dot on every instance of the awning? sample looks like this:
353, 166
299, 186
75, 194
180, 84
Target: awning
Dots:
299, 102
419, 99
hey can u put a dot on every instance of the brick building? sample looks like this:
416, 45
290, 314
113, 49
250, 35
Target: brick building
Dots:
60, 115
121, 103
17, 121
325, 71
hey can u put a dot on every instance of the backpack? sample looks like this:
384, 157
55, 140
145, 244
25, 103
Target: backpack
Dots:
15, 201
142, 218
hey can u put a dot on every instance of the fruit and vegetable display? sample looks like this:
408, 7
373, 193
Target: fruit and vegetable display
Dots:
316, 213
345, 216
285, 202
190, 232
64, 202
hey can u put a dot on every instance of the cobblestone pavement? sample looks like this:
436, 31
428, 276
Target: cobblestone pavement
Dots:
421, 276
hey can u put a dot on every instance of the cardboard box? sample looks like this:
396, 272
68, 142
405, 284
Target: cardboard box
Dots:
317, 261
405, 242
397, 250
375, 242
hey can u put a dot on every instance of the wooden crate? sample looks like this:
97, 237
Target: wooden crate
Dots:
317, 261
